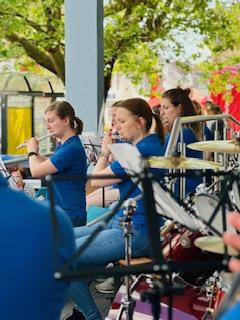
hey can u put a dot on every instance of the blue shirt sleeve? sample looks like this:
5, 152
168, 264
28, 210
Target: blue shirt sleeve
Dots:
64, 157
118, 170
208, 133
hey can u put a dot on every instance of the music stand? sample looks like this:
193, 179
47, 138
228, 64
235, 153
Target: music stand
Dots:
91, 145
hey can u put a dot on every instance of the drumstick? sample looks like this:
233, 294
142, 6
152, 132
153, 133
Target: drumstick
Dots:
167, 229
22, 145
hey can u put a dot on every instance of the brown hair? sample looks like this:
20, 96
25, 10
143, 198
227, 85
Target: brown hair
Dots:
179, 96
116, 103
156, 109
141, 108
197, 106
64, 109
213, 107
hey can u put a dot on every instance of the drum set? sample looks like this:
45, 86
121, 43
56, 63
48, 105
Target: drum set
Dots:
194, 235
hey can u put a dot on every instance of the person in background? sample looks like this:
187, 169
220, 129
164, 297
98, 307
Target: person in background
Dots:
156, 109
206, 131
217, 126
134, 120
28, 289
198, 108
69, 159
176, 103
104, 197
18, 175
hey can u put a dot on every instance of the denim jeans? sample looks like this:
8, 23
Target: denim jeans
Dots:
107, 247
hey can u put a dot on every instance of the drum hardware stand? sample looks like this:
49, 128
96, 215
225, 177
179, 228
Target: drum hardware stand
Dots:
210, 286
229, 298
127, 302
152, 218
159, 289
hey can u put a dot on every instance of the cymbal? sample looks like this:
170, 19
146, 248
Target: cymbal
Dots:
182, 163
213, 244
221, 146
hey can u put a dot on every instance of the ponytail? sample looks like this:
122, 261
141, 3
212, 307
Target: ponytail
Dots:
159, 127
78, 125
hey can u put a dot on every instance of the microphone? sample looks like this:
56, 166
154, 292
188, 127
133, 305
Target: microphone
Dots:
22, 145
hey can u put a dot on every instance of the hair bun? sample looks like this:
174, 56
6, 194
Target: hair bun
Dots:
187, 91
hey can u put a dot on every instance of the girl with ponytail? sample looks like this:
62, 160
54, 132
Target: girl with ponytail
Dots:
69, 159
133, 122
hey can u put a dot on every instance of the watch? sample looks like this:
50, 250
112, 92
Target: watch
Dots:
32, 153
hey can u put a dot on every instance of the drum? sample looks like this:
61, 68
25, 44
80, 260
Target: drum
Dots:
191, 305
178, 246
205, 205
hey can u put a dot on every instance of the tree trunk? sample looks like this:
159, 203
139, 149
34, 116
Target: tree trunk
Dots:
108, 76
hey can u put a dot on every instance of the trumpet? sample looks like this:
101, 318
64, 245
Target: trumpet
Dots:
22, 145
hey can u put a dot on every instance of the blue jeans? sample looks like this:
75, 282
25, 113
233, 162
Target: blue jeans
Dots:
107, 247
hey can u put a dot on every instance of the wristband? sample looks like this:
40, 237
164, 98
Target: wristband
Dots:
32, 153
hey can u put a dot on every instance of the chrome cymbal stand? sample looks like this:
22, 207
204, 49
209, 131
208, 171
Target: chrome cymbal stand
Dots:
127, 302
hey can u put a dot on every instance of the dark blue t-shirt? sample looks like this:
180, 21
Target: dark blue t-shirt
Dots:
28, 289
70, 160
148, 146
233, 313
189, 137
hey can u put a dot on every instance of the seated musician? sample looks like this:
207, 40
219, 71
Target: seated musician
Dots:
18, 176
69, 159
28, 288
104, 197
176, 103
134, 119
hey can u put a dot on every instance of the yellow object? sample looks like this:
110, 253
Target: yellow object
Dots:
19, 128
106, 128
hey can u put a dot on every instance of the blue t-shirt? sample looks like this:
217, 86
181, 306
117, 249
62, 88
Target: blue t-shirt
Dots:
70, 160
189, 137
28, 289
148, 146
233, 313
207, 133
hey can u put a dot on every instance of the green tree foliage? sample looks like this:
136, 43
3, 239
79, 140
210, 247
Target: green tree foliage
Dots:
224, 43
36, 28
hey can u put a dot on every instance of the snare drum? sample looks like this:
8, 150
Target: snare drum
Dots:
205, 205
190, 305
178, 246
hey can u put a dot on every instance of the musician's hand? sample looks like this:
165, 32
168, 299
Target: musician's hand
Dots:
233, 240
32, 145
107, 139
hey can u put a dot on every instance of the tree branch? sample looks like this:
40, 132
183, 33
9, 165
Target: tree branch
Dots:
34, 52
